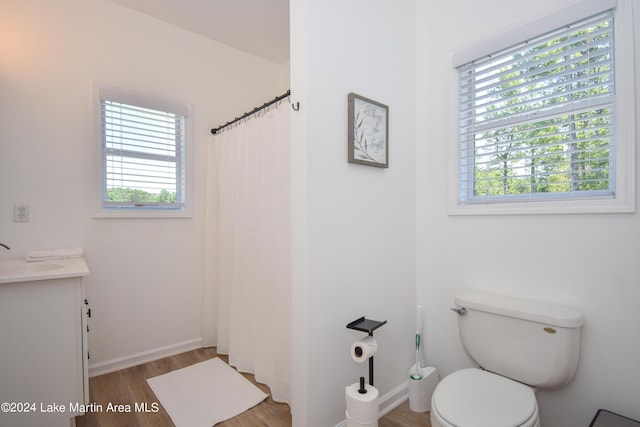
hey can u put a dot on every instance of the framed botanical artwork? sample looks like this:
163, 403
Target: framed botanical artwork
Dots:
368, 132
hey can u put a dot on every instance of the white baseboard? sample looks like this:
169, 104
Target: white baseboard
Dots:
389, 401
393, 399
142, 357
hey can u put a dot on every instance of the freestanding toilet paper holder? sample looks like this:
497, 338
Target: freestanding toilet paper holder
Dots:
368, 326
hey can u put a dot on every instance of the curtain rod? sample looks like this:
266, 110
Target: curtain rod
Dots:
255, 110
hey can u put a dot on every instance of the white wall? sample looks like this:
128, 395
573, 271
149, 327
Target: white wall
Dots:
146, 275
586, 261
354, 226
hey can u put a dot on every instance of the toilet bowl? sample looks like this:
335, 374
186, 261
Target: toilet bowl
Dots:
476, 398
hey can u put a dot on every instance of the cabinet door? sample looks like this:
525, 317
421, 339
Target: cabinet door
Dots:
40, 351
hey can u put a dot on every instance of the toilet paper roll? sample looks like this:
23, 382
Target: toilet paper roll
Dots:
362, 408
364, 349
353, 423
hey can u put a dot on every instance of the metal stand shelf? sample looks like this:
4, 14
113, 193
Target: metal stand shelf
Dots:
368, 326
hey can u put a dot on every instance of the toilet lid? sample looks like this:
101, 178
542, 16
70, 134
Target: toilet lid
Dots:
473, 397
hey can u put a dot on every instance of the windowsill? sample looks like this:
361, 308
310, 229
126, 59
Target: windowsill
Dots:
540, 208
142, 214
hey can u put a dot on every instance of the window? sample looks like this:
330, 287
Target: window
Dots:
538, 121
143, 153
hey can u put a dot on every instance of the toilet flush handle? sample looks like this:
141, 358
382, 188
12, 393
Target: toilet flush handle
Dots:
460, 310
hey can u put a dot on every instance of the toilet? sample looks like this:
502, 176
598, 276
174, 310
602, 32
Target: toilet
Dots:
520, 346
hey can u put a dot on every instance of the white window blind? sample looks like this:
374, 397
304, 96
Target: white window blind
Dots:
143, 157
537, 120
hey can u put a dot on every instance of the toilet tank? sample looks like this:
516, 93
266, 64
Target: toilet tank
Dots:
531, 342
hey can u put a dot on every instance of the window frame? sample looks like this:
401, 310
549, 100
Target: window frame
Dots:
101, 92
624, 199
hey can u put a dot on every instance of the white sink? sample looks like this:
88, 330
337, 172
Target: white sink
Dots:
19, 270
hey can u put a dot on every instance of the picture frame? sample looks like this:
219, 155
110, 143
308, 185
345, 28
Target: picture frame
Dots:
368, 132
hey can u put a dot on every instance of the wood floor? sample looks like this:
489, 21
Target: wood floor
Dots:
403, 416
129, 387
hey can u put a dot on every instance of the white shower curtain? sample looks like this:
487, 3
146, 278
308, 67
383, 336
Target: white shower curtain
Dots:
246, 301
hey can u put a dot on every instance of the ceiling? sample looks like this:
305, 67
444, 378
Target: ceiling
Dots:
258, 27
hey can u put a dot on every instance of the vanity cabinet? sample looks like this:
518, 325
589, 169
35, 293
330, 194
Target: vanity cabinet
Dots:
43, 352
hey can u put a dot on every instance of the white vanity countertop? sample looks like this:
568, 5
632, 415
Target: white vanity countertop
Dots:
20, 270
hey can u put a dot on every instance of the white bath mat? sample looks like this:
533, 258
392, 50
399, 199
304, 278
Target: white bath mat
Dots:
205, 394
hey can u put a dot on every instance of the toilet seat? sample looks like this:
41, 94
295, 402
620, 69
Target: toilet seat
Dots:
477, 398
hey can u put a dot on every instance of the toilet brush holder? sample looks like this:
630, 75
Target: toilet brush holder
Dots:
421, 389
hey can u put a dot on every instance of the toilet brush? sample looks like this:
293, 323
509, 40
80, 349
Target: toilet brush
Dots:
416, 375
